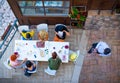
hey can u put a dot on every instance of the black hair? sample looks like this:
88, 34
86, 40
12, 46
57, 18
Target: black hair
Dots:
28, 36
107, 51
24, 31
63, 37
54, 55
29, 63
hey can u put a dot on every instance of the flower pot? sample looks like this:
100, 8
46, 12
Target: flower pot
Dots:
117, 11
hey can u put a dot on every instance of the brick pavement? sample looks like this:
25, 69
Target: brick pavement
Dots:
107, 70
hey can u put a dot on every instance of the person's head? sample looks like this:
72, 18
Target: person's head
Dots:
54, 55
28, 36
61, 35
43, 35
13, 57
107, 51
29, 63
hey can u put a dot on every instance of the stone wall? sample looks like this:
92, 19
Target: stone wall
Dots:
6, 16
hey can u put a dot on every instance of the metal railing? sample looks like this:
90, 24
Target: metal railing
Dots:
9, 36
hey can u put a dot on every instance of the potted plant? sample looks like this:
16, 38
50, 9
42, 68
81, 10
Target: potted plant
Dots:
117, 11
78, 18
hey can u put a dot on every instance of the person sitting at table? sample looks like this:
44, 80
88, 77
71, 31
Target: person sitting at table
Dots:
30, 68
61, 32
16, 63
27, 35
53, 64
43, 35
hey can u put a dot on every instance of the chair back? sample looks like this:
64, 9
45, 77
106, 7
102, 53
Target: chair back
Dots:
73, 55
7, 64
23, 27
60, 24
42, 26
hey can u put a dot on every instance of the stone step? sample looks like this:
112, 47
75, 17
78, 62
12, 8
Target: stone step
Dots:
79, 61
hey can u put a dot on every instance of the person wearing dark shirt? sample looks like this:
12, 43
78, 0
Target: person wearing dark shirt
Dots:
30, 67
61, 32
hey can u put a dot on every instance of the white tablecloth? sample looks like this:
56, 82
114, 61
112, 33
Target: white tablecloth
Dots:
28, 49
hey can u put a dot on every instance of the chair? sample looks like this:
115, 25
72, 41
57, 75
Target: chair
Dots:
23, 27
73, 55
35, 69
50, 72
8, 66
60, 24
42, 26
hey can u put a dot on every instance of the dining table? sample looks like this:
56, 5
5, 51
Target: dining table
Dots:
41, 51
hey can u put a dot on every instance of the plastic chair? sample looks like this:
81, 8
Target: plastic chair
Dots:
50, 72
60, 24
42, 26
73, 55
23, 27
8, 66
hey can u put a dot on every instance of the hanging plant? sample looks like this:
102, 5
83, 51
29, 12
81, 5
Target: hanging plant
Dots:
78, 16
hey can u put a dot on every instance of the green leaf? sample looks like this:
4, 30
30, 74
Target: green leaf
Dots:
82, 18
75, 11
79, 25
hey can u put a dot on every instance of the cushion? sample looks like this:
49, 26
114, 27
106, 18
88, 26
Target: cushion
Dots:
23, 27
7, 65
50, 72
73, 56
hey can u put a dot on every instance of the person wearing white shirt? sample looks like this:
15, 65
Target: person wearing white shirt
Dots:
100, 48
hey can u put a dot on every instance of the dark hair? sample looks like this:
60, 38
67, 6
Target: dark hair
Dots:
107, 51
28, 36
24, 31
54, 55
29, 63
63, 37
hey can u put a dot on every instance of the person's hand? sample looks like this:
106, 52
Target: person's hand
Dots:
56, 32
17, 55
67, 33
25, 59
95, 50
64, 30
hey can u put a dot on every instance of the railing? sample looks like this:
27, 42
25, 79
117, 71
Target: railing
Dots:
9, 36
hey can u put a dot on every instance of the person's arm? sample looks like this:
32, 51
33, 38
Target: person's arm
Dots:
55, 32
32, 33
67, 33
65, 28
23, 35
24, 61
34, 63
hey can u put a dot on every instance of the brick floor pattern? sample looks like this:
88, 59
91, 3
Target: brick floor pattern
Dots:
98, 69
